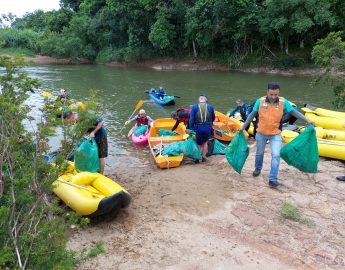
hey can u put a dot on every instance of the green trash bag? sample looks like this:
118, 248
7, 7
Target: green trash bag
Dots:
215, 147
140, 130
237, 152
302, 152
166, 132
174, 149
86, 156
192, 150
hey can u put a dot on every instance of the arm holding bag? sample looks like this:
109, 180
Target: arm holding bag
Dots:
86, 156
237, 152
302, 152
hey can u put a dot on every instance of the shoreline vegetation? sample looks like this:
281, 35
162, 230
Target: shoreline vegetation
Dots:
172, 64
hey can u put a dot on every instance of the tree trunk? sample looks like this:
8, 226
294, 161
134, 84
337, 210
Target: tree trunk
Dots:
301, 44
287, 45
194, 50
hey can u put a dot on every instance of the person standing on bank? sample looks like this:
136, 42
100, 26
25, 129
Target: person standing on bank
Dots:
269, 110
96, 130
201, 121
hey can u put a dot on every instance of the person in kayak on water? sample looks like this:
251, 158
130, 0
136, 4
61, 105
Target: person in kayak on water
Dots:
181, 115
160, 92
270, 109
201, 120
141, 119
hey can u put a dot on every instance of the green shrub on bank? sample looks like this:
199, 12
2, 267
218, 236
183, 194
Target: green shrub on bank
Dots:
16, 52
16, 38
32, 228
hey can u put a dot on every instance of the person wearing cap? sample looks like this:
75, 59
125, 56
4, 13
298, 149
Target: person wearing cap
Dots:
269, 110
141, 119
201, 121
243, 108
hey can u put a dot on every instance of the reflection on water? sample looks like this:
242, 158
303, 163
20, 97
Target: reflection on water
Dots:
122, 88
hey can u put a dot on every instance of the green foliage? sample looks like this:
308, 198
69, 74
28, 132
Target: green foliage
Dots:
110, 54
162, 32
32, 228
329, 53
98, 249
132, 30
16, 52
15, 38
290, 211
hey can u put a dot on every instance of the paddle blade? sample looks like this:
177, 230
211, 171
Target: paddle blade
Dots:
310, 107
139, 104
47, 94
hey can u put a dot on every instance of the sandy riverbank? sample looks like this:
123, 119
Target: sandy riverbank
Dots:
206, 216
171, 64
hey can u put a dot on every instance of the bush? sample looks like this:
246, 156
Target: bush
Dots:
109, 54
16, 38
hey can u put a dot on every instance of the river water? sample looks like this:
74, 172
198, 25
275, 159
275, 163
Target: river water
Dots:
122, 88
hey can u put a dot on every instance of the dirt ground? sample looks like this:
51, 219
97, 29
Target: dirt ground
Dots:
206, 216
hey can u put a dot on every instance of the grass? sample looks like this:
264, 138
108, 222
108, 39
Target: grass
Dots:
291, 212
16, 52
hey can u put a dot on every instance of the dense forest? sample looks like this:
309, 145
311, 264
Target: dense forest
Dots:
234, 32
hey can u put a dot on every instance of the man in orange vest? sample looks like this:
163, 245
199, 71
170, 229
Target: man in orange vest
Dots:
270, 110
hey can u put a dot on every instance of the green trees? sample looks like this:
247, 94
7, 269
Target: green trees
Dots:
230, 30
329, 53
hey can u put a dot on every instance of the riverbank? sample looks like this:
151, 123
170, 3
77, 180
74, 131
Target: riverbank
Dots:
206, 216
171, 64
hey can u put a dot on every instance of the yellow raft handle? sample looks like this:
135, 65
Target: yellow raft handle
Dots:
77, 186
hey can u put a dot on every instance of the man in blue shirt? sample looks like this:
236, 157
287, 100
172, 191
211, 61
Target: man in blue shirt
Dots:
201, 121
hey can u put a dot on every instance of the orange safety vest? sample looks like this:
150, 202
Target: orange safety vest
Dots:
270, 116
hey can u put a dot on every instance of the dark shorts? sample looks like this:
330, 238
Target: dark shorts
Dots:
203, 133
102, 145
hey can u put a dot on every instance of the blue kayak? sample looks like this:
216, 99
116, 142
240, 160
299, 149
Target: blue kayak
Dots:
162, 100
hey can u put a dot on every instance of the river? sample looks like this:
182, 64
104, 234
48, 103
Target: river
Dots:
122, 88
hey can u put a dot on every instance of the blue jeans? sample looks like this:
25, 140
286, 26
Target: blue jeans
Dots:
275, 144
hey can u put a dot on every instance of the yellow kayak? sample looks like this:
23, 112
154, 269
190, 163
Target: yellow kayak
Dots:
328, 122
225, 128
327, 148
156, 142
90, 194
325, 112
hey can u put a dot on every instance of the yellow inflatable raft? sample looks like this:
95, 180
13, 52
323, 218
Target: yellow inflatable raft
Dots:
329, 134
157, 142
325, 121
90, 194
225, 128
325, 112
327, 148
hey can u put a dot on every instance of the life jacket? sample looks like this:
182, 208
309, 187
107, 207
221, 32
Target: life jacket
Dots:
142, 120
203, 116
183, 115
270, 116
